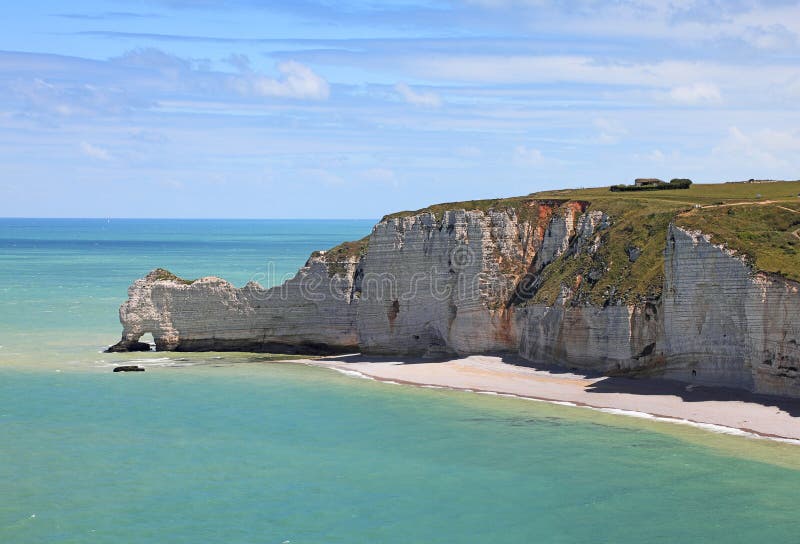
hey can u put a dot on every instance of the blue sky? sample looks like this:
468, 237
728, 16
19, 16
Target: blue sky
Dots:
316, 108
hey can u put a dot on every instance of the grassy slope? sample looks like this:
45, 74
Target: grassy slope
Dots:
737, 215
161, 274
520, 203
766, 234
760, 230
337, 257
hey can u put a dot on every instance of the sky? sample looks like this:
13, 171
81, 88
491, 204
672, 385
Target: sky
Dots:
355, 109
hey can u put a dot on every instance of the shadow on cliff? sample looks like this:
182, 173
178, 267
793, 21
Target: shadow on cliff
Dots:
690, 392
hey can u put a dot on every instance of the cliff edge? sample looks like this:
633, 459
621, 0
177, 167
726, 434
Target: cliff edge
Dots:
699, 287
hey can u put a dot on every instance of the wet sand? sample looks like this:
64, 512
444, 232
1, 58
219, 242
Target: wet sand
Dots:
770, 417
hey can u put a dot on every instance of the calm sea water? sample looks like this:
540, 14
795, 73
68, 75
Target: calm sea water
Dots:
232, 448
62, 281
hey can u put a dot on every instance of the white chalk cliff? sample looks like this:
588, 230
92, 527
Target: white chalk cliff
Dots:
467, 282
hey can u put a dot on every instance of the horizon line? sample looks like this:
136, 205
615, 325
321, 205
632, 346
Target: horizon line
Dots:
197, 218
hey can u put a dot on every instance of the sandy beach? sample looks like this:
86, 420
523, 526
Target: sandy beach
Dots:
769, 417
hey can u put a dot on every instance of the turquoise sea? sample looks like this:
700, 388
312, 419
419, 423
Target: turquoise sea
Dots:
234, 448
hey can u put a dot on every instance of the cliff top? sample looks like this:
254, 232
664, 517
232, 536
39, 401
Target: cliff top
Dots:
705, 193
162, 274
760, 221
518, 203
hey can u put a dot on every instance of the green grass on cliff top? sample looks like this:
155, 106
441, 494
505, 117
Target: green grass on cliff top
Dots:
758, 220
516, 202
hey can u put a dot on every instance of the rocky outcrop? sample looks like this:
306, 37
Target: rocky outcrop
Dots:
129, 368
614, 339
466, 282
724, 323
312, 313
438, 286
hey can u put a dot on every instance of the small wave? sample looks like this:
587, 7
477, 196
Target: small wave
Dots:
151, 360
353, 373
156, 362
712, 427
506, 395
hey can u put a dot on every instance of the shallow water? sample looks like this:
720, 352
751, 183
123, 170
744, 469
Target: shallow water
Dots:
275, 452
234, 448
62, 280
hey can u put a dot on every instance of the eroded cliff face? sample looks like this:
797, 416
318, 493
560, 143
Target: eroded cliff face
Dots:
614, 338
314, 312
725, 324
472, 282
425, 286
441, 286
428, 284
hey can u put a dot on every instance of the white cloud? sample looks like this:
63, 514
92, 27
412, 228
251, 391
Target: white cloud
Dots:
772, 37
95, 152
379, 175
298, 82
767, 147
698, 93
688, 79
762, 24
527, 156
238, 61
425, 99
62, 98
610, 130
792, 88
655, 155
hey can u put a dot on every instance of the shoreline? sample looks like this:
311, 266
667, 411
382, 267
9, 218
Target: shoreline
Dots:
713, 409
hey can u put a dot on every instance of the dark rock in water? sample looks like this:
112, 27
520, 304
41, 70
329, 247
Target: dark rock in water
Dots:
124, 347
129, 368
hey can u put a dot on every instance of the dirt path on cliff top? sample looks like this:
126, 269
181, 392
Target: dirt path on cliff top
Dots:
795, 233
744, 203
741, 203
751, 203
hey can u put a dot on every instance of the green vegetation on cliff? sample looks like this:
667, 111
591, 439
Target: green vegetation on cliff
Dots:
767, 234
677, 183
162, 274
523, 205
628, 265
758, 220
339, 256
